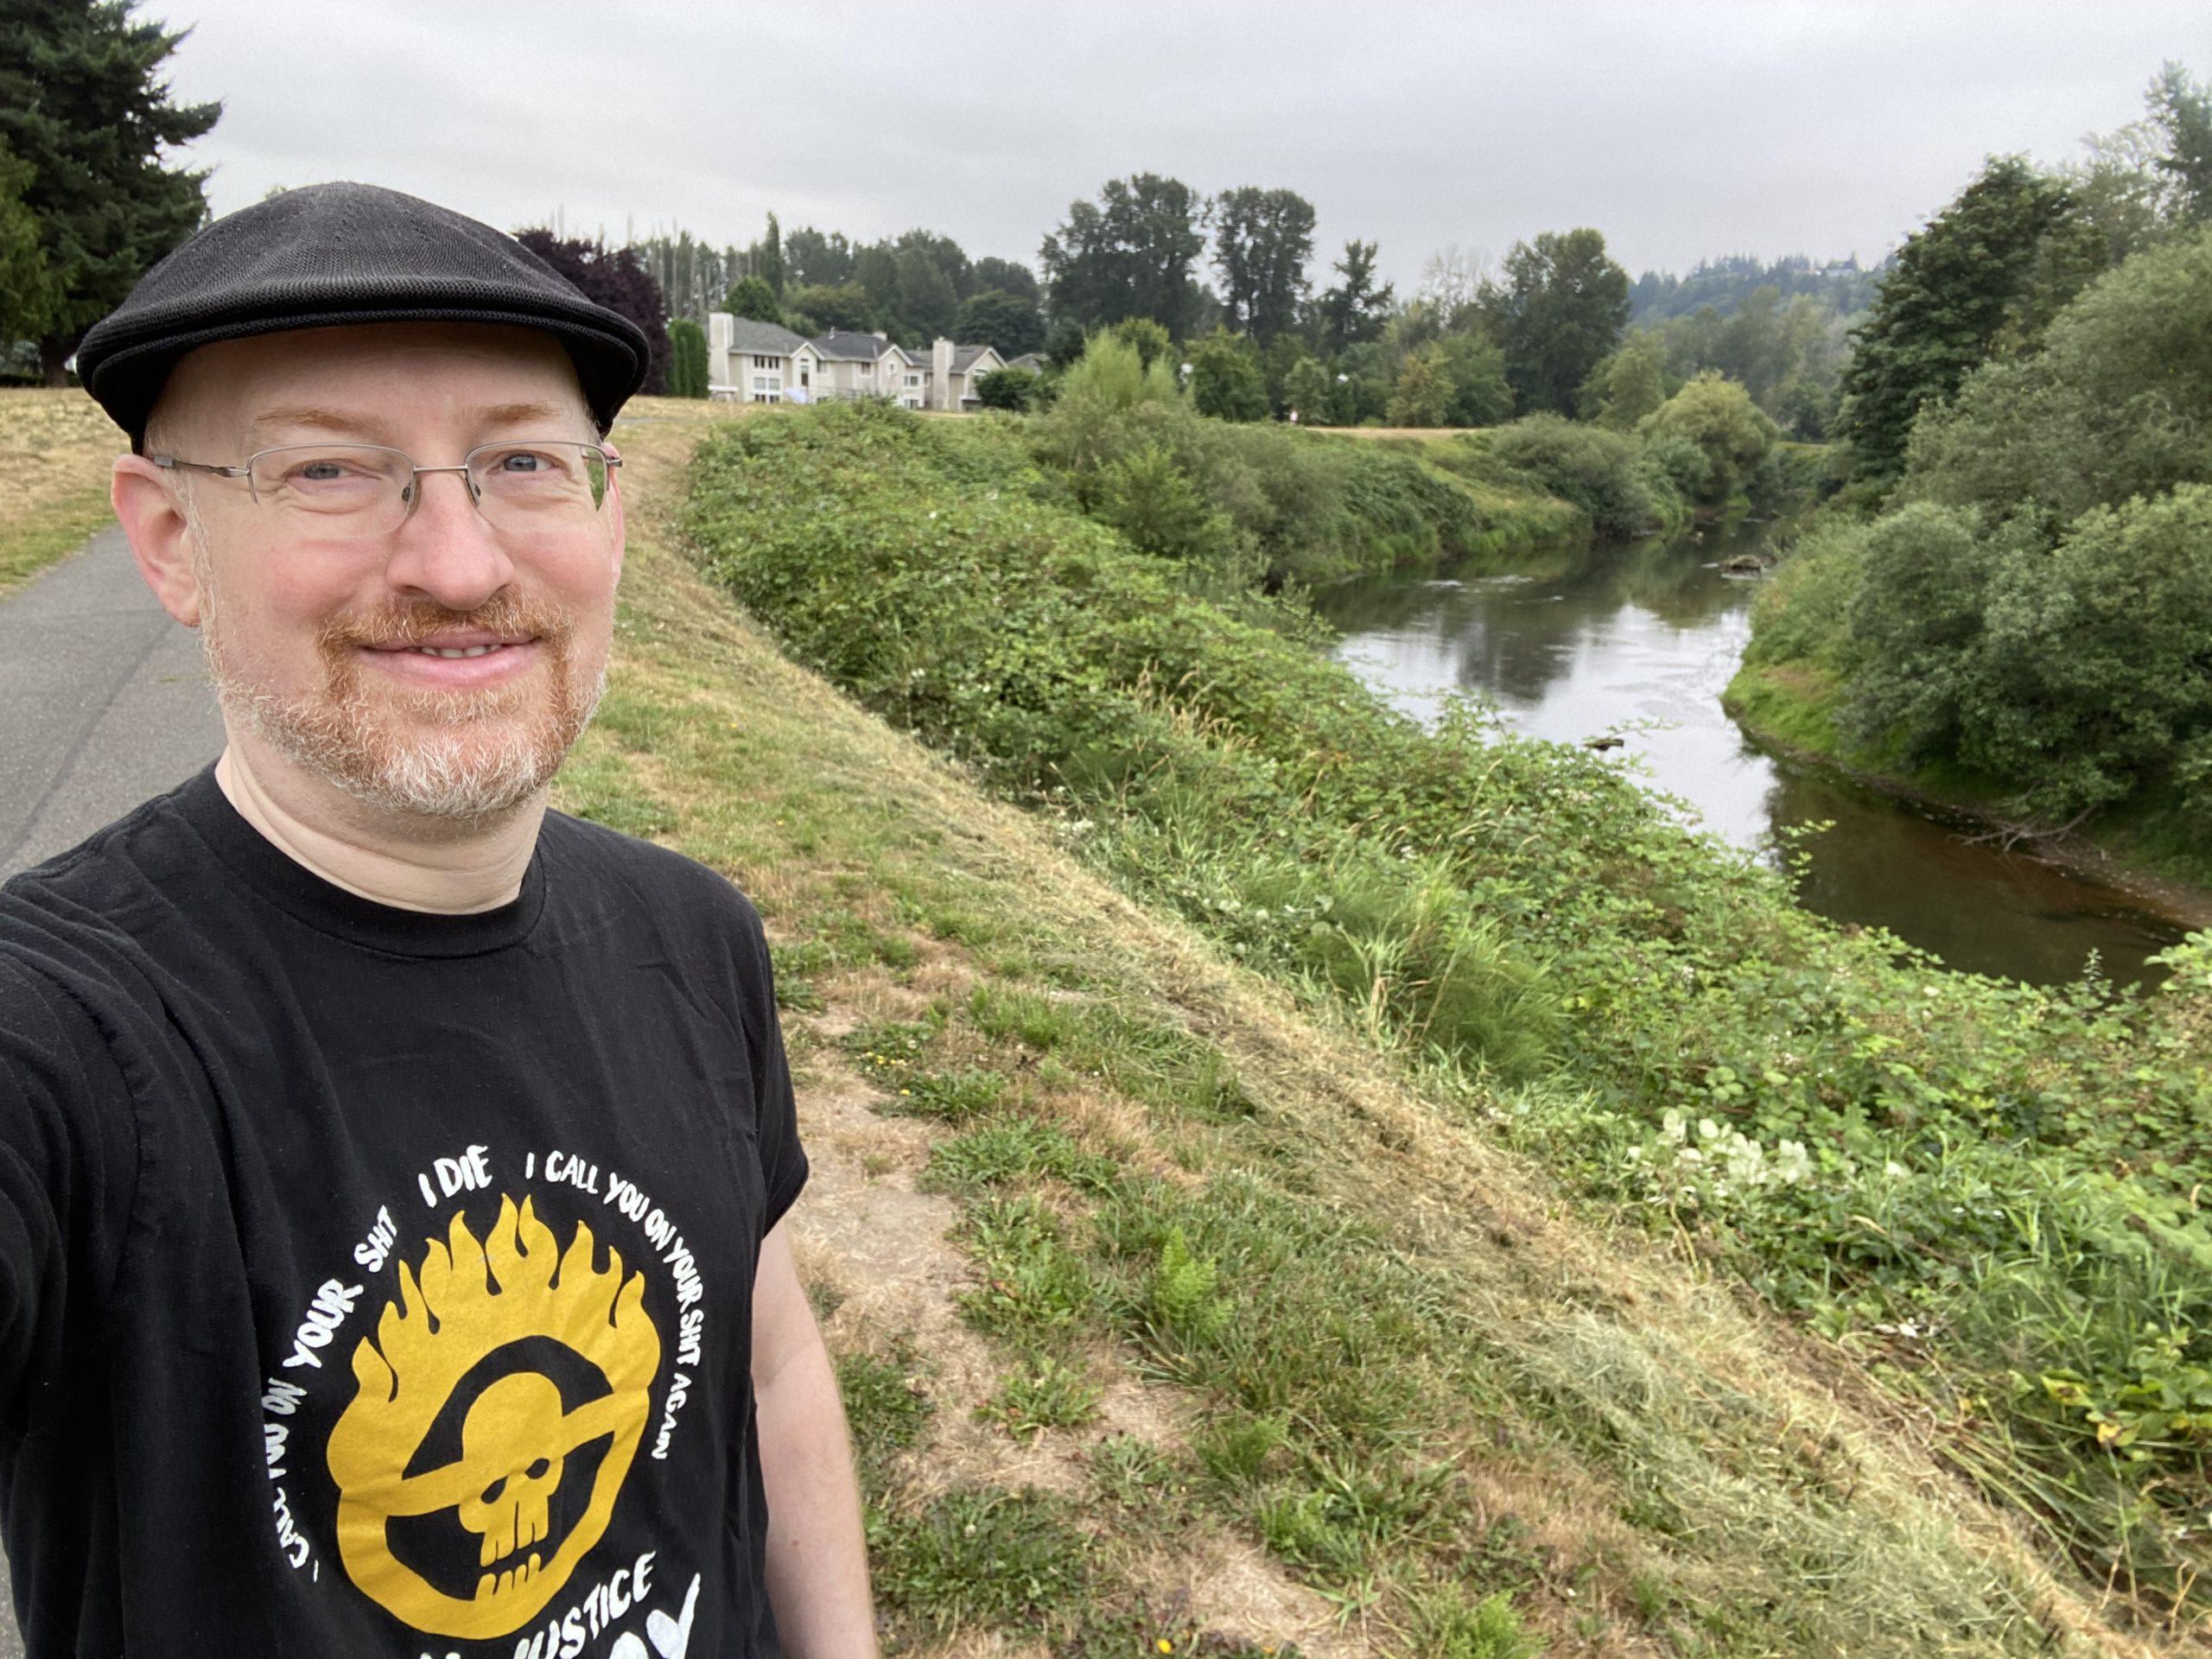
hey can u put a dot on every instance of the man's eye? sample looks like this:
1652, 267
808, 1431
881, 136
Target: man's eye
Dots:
525, 461
319, 472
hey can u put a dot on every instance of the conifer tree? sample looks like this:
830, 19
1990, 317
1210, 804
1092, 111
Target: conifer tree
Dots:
81, 103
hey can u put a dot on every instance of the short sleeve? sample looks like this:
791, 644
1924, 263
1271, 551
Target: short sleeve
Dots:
58, 1086
783, 1159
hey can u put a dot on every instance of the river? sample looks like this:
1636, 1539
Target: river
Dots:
1638, 640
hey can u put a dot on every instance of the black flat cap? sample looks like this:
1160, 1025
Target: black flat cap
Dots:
331, 254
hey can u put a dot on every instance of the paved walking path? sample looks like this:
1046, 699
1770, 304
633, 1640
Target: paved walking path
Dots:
102, 703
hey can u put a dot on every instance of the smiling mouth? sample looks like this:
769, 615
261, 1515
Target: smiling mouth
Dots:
460, 650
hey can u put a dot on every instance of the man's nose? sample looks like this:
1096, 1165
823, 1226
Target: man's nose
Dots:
446, 551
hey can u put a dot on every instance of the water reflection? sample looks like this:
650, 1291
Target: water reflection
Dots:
1639, 641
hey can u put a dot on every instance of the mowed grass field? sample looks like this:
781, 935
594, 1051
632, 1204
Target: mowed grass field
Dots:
1175, 1318
55, 449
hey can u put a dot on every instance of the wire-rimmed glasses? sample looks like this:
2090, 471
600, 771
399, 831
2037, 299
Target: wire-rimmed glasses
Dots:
358, 490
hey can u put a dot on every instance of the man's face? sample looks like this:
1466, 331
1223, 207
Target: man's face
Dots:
340, 655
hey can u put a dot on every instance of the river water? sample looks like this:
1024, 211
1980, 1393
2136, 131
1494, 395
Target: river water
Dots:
1638, 640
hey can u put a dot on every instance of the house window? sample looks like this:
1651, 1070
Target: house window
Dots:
767, 362
767, 383
913, 380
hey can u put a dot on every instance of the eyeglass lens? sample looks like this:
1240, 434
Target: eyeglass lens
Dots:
366, 489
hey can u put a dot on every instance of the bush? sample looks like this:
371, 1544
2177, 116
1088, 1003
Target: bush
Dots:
1226, 381
1008, 389
1729, 431
1597, 470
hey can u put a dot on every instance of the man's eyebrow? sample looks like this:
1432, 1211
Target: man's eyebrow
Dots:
369, 429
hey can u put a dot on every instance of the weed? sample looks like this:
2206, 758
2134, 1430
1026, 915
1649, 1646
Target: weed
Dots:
1015, 1149
1048, 1393
1012, 1561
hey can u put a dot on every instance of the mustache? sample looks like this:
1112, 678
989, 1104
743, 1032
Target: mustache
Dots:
410, 622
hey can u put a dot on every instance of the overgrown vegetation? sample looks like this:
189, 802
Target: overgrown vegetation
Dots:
2032, 613
1989, 1192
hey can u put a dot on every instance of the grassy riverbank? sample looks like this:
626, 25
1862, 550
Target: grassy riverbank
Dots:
1179, 1301
1982, 1192
56, 446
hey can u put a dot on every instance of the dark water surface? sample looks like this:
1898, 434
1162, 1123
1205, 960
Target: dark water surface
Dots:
1639, 640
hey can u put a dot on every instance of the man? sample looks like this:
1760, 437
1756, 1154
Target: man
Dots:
392, 1173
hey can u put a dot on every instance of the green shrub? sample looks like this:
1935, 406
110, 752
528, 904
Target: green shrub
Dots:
1731, 432
1595, 469
1016, 389
688, 358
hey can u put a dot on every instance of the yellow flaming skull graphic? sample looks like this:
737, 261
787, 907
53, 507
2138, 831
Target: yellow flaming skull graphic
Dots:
471, 1301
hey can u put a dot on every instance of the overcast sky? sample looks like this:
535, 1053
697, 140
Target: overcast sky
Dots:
1679, 128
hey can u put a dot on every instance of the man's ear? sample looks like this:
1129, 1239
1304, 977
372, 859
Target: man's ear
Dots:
159, 536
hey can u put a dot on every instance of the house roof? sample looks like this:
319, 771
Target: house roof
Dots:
963, 356
1032, 361
765, 338
842, 345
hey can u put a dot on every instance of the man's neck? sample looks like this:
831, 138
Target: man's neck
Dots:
353, 846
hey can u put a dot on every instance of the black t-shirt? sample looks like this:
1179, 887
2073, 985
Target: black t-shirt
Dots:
376, 1282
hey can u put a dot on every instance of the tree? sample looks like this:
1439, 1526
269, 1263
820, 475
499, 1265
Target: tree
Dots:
816, 260
687, 357
26, 291
923, 301
1728, 429
1628, 385
1559, 310
753, 298
1939, 311
1128, 255
2182, 111
1000, 319
1150, 339
1225, 378
81, 105
618, 280
1354, 309
845, 305
1008, 277
1262, 239
765, 259
1424, 389
1307, 393
1476, 369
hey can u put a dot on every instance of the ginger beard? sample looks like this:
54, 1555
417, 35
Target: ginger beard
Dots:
460, 756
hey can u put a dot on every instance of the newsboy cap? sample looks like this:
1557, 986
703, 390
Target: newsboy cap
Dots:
330, 254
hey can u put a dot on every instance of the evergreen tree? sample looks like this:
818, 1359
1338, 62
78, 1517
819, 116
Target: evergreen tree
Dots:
1939, 311
765, 258
1353, 311
82, 106
688, 358
26, 291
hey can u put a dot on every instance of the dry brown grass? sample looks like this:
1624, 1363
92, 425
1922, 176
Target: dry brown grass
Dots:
56, 448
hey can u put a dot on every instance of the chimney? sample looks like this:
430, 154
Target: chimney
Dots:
941, 374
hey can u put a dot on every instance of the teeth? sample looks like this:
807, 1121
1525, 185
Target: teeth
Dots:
455, 651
